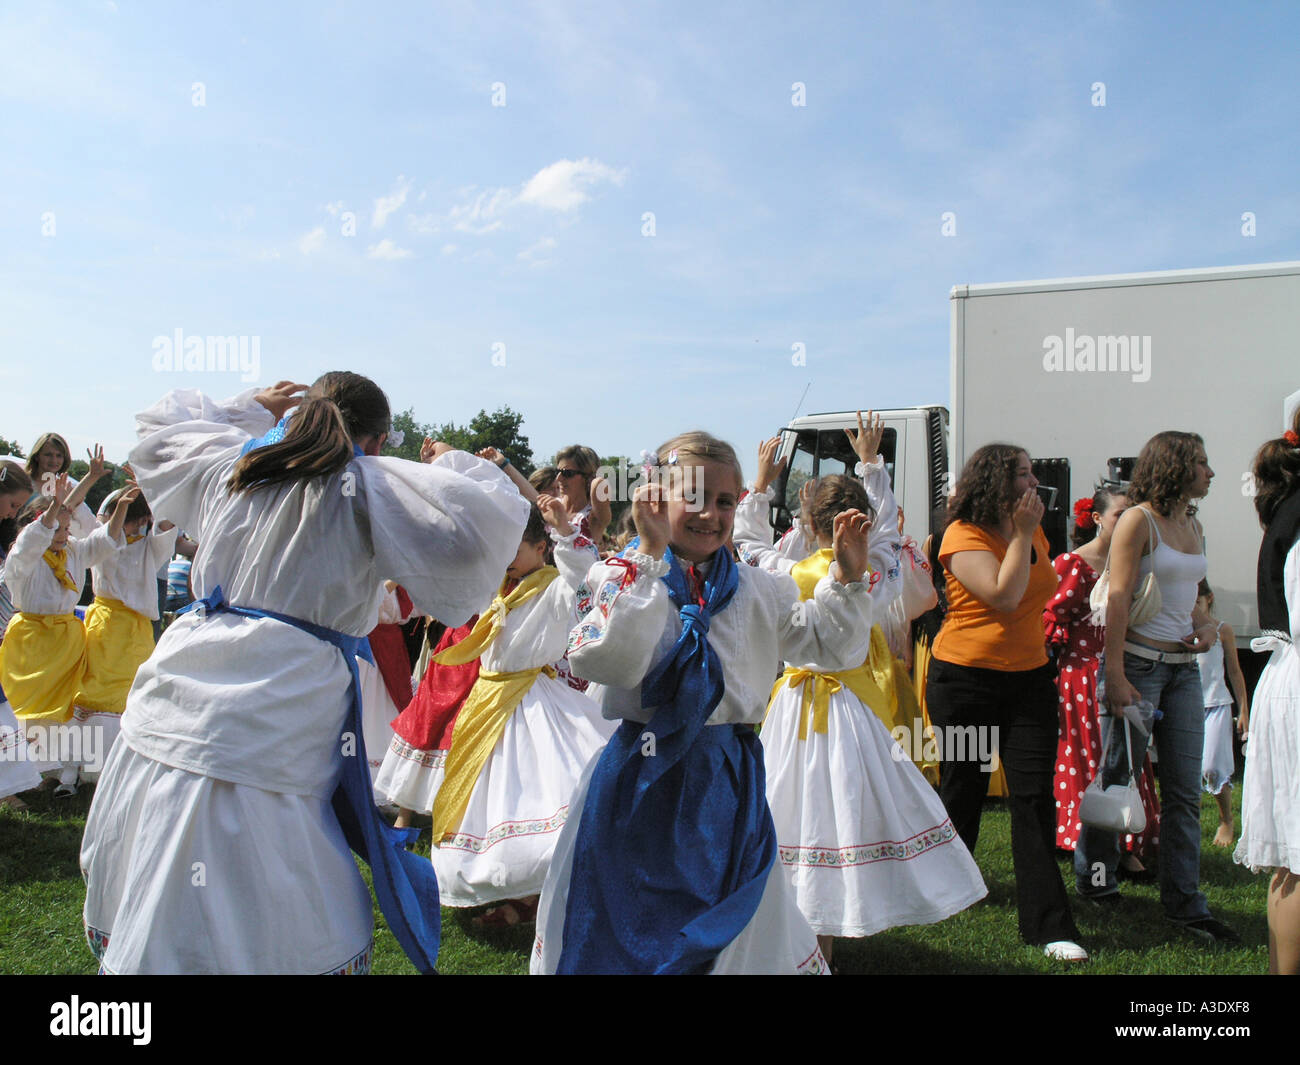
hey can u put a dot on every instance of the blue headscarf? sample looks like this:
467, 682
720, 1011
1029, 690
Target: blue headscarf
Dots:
676, 841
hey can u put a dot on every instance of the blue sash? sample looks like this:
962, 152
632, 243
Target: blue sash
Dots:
405, 884
676, 840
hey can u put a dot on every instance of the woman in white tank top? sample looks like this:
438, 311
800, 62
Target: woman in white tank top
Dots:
1157, 662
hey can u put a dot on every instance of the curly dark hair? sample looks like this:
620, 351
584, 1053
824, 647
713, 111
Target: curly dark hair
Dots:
1164, 471
984, 493
835, 494
1277, 473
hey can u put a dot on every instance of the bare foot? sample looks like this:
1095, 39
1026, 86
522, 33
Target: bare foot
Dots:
1223, 837
1132, 864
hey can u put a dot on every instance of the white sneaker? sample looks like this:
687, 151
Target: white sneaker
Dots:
1065, 950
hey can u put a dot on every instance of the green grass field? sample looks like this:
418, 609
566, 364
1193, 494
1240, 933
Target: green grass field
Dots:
41, 897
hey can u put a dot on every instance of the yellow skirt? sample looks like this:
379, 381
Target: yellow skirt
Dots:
118, 640
42, 663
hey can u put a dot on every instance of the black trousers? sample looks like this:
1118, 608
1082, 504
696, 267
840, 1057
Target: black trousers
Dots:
1022, 707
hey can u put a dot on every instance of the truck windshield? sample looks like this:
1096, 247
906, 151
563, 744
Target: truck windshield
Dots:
821, 453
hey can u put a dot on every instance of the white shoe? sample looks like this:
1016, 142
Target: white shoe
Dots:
1065, 950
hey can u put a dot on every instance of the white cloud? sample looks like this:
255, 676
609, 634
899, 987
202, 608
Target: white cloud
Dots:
268, 254
386, 205
424, 224
564, 185
386, 249
334, 208
536, 254
448, 249
312, 242
483, 213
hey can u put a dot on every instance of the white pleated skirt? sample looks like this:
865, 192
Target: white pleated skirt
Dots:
99, 734
1270, 796
17, 771
409, 777
187, 874
377, 713
777, 940
864, 838
504, 843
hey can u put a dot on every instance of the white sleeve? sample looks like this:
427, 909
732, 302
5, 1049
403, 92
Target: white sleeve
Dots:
185, 438
33, 541
884, 543
162, 545
832, 630
575, 554
97, 548
83, 521
614, 643
752, 534
444, 531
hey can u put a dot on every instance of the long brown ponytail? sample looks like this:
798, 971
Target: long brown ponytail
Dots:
337, 409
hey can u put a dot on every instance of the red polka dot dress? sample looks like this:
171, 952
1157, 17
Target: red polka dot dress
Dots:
1078, 646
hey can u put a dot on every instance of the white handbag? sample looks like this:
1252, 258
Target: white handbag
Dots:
1146, 598
1118, 807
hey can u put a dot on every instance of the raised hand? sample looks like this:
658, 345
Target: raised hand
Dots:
866, 441
602, 510
492, 455
97, 463
553, 510
850, 544
280, 397
1028, 512
650, 515
769, 467
431, 449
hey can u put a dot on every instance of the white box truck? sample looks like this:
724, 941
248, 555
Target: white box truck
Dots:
1082, 371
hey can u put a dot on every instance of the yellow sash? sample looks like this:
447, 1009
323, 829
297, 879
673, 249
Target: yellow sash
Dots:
478, 730
58, 561
491, 702
875, 682
490, 622
134, 539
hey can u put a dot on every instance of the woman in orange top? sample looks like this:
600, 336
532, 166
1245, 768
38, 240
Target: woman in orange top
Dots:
990, 686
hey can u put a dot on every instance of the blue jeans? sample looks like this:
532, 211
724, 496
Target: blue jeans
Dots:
1175, 690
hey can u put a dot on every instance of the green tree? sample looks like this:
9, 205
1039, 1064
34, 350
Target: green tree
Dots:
501, 429
10, 447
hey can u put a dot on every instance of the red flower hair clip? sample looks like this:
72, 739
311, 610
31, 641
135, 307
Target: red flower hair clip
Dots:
1291, 438
1083, 513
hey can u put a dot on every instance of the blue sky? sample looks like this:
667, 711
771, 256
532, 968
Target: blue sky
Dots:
128, 212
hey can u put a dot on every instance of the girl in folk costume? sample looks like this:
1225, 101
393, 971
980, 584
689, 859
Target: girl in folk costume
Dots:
17, 771
248, 712
119, 624
414, 764
1077, 642
866, 837
668, 862
523, 737
896, 704
1270, 795
43, 656
1220, 669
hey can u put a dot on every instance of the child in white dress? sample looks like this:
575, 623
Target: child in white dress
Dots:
523, 737
668, 860
219, 838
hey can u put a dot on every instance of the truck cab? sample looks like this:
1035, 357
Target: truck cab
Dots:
915, 450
